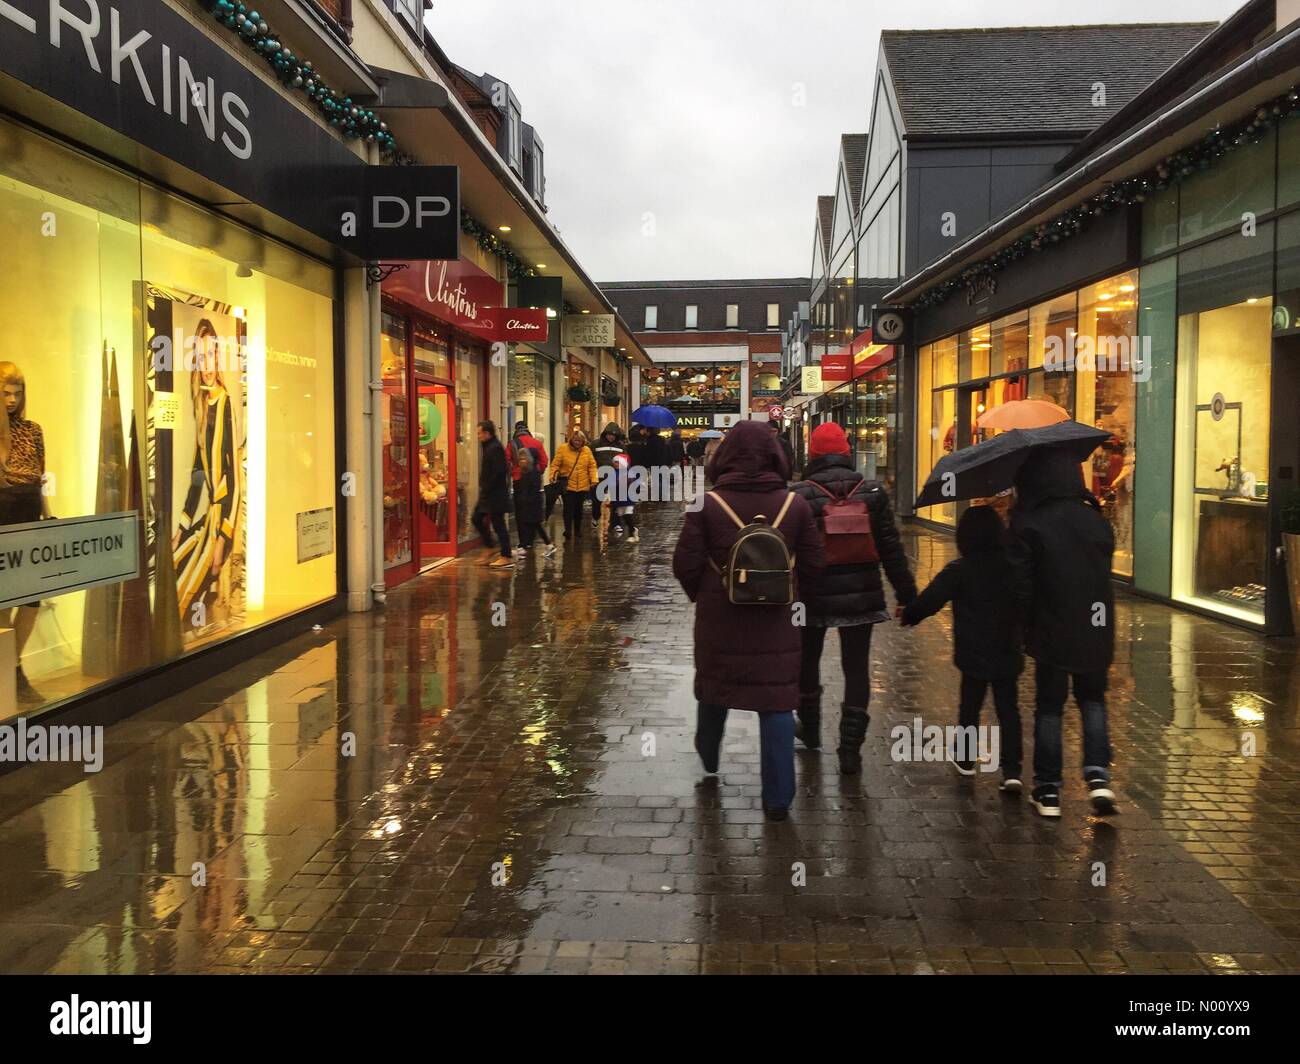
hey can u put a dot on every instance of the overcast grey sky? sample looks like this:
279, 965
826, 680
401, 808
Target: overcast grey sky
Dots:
685, 113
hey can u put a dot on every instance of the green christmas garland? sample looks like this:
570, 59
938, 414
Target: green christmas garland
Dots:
294, 72
486, 239
1173, 170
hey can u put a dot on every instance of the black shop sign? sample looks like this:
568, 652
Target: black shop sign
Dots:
142, 70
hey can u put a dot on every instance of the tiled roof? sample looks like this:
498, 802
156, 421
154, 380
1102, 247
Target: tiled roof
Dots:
825, 217
854, 148
1026, 80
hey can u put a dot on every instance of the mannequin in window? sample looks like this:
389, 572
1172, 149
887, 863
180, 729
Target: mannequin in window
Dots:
22, 472
201, 545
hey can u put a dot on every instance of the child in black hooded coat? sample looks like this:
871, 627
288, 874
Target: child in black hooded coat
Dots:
985, 631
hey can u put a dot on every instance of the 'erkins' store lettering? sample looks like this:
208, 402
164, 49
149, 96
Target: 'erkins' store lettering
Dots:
165, 80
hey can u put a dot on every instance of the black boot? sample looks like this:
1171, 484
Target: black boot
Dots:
27, 694
853, 733
808, 729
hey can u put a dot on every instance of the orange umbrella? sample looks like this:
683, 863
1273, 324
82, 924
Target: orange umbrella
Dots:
1023, 414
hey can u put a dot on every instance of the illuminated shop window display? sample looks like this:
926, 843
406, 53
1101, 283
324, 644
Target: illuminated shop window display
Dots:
168, 380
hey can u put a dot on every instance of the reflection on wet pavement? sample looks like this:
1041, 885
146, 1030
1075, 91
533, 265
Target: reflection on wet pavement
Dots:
496, 774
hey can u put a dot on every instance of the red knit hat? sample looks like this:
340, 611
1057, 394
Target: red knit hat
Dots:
828, 439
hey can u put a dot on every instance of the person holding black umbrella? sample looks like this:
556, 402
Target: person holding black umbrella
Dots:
1061, 550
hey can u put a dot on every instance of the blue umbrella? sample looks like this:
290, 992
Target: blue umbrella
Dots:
654, 417
710, 434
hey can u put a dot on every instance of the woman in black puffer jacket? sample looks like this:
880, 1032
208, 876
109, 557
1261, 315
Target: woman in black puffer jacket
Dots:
848, 597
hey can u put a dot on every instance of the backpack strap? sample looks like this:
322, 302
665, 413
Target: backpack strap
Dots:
729, 511
788, 500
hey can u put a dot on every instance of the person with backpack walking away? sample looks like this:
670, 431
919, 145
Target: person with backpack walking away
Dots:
743, 559
522, 439
493, 494
574, 464
859, 537
528, 506
980, 585
1061, 548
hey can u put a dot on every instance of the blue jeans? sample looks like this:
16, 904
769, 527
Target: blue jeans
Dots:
1052, 688
776, 749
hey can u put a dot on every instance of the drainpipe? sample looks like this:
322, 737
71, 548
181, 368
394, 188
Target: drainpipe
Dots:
376, 472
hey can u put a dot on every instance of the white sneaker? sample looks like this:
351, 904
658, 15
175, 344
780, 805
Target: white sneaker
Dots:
520, 552
635, 537
550, 550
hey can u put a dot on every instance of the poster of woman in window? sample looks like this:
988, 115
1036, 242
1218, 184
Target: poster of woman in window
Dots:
197, 425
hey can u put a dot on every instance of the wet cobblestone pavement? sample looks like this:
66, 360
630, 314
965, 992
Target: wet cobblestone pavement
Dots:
524, 797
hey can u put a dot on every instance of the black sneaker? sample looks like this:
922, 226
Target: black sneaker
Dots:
1047, 800
1011, 785
1102, 797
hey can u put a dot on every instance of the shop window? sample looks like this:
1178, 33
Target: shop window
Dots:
873, 426
432, 353
1223, 423
1009, 344
172, 364
469, 412
394, 407
1050, 326
1108, 362
1216, 199
945, 362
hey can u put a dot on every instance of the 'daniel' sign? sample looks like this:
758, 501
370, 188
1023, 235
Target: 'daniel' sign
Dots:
48, 558
587, 330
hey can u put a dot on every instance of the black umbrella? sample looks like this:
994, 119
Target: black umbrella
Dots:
990, 467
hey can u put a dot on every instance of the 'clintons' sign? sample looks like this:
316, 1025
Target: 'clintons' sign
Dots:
452, 290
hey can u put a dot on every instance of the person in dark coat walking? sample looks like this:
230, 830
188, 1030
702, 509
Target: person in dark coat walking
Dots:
530, 518
1061, 548
656, 451
493, 493
985, 633
848, 597
747, 657
695, 451
786, 449
676, 449
606, 449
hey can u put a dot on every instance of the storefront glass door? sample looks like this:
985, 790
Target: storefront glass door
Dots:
435, 470
399, 528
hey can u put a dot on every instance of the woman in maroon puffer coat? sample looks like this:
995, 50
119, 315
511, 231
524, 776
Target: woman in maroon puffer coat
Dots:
747, 657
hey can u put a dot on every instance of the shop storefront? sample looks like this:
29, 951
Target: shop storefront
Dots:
168, 447
530, 384
703, 395
1189, 358
866, 409
435, 394
581, 400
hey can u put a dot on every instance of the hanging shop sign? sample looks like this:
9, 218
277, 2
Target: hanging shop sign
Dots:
872, 357
144, 71
399, 212
726, 421
543, 293
835, 367
44, 559
588, 330
891, 325
810, 382
452, 290
512, 324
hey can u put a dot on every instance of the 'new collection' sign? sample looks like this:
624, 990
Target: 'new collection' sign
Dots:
44, 559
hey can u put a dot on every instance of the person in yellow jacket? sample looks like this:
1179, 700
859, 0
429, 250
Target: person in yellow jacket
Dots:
573, 467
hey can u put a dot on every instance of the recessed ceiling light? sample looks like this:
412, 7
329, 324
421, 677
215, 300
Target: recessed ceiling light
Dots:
503, 228
541, 265
586, 311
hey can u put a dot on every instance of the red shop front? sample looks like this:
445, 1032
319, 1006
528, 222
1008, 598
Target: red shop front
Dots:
435, 393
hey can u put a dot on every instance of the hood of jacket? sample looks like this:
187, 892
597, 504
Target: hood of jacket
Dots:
749, 459
1049, 473
611, 430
